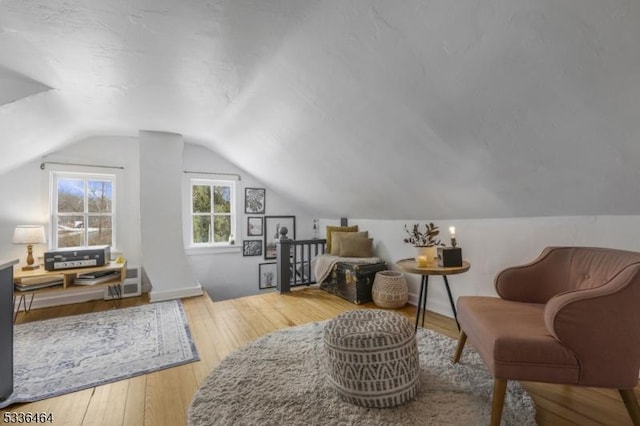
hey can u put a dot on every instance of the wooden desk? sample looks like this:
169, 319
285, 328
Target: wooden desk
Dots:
68, 276
409, 266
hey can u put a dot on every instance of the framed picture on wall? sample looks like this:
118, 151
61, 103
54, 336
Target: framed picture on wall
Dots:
272, 227
252, 247
254, 200
254, 226
266, 275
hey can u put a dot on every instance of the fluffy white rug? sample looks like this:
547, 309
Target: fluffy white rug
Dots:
280, 379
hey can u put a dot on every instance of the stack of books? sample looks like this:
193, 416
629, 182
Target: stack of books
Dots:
93, 278
27, 284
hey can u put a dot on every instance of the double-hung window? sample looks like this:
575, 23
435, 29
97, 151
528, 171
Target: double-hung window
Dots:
82, 207
212, 212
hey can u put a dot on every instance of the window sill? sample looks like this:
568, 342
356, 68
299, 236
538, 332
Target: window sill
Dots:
197, 251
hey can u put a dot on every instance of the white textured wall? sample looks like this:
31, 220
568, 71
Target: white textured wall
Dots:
227, 273
25, 190
366, 108
163, 256
461, 109
223, 275
14, 86
489, 244
493, 244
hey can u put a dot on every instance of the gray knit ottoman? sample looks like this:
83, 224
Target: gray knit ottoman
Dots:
372, 358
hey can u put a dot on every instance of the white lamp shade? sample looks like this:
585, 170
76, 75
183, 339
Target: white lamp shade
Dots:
29, 234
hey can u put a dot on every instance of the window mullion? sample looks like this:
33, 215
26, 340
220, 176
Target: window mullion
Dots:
85, 214
212, 225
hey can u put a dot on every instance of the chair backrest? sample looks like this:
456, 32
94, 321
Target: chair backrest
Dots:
561, 269
590, 267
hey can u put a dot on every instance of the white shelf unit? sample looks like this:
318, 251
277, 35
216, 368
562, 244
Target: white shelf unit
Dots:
131, 287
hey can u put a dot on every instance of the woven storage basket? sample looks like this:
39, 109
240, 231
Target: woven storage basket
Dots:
390, 289
372, 358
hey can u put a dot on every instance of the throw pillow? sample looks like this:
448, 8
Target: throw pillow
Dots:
356, 247
331, 229
337, 237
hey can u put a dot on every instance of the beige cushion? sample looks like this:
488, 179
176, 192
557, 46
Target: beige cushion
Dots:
356, 247
331, 229
338, 237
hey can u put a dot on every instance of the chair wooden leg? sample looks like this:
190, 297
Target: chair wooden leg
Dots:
631, 402
499, 388
461, 341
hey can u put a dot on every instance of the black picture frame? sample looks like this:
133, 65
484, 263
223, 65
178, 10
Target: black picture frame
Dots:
252, 247
254, 200
267, 275
254, 226
272, 225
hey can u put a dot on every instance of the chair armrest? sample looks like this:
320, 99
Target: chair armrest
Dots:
599, 325
537, 281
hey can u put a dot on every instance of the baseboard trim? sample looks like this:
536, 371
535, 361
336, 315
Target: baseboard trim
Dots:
440, 307
161, 296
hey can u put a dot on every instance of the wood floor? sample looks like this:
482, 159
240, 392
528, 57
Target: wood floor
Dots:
163, 397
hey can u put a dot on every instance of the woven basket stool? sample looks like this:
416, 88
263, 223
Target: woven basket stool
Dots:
372, 358
390, 289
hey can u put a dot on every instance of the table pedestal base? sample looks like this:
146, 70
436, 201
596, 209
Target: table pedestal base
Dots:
422, 300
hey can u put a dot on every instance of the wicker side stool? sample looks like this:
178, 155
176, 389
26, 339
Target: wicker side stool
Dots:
372, 358
390, 289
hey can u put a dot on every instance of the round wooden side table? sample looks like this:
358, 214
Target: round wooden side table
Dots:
409, 266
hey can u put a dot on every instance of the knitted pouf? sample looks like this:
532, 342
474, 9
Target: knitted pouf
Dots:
372, 358
390, 289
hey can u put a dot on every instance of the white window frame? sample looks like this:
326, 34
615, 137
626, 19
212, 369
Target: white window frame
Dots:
232, 214
53, 197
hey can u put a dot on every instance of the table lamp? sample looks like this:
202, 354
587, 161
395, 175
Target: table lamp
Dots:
29, 235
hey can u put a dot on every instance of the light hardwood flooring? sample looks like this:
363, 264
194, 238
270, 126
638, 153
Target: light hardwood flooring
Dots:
218, 328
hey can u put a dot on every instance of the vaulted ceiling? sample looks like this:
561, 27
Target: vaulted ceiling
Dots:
360, 108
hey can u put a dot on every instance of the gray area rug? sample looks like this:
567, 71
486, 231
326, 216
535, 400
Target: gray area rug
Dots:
280, 379
67, 354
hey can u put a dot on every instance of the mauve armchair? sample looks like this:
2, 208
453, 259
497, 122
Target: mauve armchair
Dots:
572, 316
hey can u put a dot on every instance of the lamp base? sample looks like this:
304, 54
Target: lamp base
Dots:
30, 267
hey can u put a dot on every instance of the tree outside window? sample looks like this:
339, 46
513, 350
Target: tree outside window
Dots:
83, 208
212, 211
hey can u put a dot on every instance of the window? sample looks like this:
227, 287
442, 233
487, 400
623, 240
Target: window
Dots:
212, 211
82, 208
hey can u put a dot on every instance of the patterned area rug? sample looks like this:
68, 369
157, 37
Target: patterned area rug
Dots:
64, 355
281, 379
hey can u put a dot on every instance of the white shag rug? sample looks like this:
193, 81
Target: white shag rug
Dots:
280, 379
